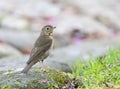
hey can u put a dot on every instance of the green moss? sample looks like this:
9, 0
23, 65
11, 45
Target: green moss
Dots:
34, 84
9, 87
54, 79
58, 78
6, 87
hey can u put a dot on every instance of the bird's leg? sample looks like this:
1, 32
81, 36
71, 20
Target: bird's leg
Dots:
41, 65
43, 68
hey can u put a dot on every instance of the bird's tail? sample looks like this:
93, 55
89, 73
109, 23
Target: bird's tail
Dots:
27, 67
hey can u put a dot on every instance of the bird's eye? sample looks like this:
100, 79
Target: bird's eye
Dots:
47, 28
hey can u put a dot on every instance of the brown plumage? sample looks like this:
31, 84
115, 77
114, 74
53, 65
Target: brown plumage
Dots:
41, 48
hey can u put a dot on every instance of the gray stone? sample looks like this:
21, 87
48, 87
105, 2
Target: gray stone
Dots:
15, 23
34, 79
7, 50
19, 39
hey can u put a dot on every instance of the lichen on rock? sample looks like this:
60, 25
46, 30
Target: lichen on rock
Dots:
35, 79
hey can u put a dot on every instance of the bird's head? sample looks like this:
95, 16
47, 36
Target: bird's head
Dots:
47, 30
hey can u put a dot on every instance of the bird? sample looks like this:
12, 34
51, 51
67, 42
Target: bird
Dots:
42, 47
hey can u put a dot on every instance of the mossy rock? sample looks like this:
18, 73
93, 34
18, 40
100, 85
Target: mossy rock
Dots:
35, 79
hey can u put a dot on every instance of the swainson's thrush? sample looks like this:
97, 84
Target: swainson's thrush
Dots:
41, 47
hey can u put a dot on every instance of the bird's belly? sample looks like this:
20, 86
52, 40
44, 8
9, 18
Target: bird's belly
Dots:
46, 54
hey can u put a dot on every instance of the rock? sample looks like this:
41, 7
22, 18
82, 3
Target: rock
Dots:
109, 19
9, 52
114, 5
13, 22
34, 80
106, 11
83, 23
89, 25
7, 6
35, 9
18, 39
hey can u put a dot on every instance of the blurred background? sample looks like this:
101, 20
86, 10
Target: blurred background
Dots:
84, 28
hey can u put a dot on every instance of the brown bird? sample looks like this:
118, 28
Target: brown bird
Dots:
41, 48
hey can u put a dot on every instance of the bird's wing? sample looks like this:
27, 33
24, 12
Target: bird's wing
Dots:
37, 52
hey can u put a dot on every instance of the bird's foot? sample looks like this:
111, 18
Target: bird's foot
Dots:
45, 69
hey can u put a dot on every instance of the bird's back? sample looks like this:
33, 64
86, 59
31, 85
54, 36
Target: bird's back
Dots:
41, 49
